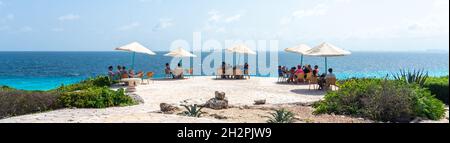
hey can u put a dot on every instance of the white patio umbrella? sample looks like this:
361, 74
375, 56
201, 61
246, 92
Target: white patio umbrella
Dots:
300, 49
241, 49
180, 53
327, 50
135, 47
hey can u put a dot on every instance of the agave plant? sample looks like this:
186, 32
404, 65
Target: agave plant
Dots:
281, 116
418, 77
193, 110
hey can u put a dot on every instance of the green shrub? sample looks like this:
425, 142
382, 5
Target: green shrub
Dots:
281, 116
15, 102
382, 100
439, 87
95, 97
100, 81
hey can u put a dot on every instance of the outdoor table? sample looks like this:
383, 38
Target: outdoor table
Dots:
132, 82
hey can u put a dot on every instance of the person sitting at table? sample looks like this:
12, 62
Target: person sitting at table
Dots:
299, 71
168, 71
178, 72
330, 74
321, 81
119, 71
111, 72
316, 71
124, 72
292, 76
246, 68
223, 66
280, 73
131, 73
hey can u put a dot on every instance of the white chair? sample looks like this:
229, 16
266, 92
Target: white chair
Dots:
219, 73
238, 73
178, 73
229, 72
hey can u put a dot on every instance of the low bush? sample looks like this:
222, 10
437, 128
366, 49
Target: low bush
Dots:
438, 87
15, 102
95, 97
382, 100
100, 81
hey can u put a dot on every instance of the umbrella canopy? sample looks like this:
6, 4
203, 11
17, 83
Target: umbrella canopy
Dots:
180, 53
135, 47
300, 49
327, 50
241, 49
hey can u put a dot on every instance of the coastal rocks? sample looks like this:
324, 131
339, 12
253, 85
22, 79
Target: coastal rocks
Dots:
167, 108
220, 95
260, 102
217, 103
136, 98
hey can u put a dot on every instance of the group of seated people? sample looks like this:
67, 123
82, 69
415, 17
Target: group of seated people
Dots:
226, 71
177, 73
305, 74
122, 72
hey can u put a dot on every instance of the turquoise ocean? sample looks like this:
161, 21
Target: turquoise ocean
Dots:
48, 70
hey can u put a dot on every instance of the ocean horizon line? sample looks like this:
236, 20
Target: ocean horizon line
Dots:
358, 51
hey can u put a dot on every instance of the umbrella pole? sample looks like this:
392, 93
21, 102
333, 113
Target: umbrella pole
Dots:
301, 62
132, 65
326, 65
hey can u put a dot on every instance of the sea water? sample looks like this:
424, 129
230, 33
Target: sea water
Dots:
48, 70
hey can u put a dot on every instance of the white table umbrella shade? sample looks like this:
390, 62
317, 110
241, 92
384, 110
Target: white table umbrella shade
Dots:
135, 47
327, 50
180, 53
301, 49
241, 49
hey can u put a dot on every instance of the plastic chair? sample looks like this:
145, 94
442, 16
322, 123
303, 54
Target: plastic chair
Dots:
331, 81
313, 81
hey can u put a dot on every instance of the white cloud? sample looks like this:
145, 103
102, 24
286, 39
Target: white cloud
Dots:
129, 26
214, 16
69, 17
233, 18
217, 22
318, 10
163, 24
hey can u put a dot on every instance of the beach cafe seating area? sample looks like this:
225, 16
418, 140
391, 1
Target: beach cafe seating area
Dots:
311, 77
302, 75
230, 72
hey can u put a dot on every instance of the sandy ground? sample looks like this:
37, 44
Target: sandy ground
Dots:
194, 90
240, 93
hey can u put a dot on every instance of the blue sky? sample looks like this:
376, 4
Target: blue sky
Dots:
101, 25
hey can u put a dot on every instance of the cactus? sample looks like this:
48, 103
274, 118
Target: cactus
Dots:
410, 77
193, 110
281, 116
